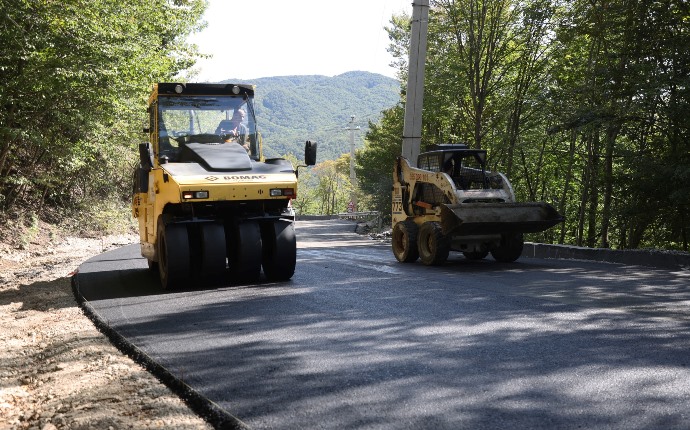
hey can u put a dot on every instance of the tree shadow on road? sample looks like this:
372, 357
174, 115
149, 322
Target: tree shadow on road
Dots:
354, 354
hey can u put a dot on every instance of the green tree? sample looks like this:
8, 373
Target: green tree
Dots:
374, 167
616, 85
75, 74
474, 41
333, 188
583, 103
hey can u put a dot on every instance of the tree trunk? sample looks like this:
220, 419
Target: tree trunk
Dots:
586, 187
611, 135
594, 193
683, 229
563, 204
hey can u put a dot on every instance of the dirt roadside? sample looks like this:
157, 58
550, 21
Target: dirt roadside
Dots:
57, 371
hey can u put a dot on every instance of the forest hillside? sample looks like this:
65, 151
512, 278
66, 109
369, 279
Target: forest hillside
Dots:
293, 109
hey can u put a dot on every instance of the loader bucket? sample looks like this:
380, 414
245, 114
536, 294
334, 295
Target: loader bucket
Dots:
497, 218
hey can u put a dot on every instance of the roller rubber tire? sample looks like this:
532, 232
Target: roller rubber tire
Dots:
433, 245
173, 255
510, 249
279, 250
404, 241
244, 251
213, 251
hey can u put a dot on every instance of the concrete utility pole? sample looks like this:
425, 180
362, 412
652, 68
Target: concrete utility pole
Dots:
412, 129
353, 177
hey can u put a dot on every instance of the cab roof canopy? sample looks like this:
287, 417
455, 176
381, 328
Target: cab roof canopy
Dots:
447, 147
178, 88
453, 147
444, 151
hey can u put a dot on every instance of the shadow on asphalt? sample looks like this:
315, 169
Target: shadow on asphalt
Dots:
123, 273
117, 274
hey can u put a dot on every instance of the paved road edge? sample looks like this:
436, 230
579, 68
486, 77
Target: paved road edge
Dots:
202, 406
639, 257
664, 259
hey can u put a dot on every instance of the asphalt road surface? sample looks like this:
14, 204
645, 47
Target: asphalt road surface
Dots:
358, 340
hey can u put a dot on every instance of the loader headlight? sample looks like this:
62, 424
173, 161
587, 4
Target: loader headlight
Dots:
188, 195
277, 192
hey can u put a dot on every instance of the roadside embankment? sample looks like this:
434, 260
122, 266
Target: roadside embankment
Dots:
641, 257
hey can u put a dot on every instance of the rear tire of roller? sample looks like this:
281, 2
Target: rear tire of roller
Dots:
279, 250
213, 252
173, 255
244, 251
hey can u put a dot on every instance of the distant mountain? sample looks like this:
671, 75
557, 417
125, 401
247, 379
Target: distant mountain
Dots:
293, 109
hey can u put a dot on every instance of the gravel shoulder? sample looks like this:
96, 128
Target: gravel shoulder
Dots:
57, 371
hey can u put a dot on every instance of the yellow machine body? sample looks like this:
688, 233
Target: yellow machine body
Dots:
210, 207
450, 202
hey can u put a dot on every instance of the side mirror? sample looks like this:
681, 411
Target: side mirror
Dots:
142, 180
310, 153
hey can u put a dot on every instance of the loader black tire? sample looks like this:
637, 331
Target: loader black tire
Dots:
404, 241
433, 245
244, 251
510, 249
279, 250
173, 255
153, 265
475, 255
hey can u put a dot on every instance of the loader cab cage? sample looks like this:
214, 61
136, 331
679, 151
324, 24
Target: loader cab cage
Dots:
204, 114
466, 167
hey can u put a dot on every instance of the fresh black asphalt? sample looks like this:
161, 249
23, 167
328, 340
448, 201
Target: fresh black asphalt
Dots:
358, 341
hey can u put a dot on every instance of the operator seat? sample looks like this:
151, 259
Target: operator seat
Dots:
164, 146
224, 127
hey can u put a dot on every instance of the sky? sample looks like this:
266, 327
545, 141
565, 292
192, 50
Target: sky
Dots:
251, 39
